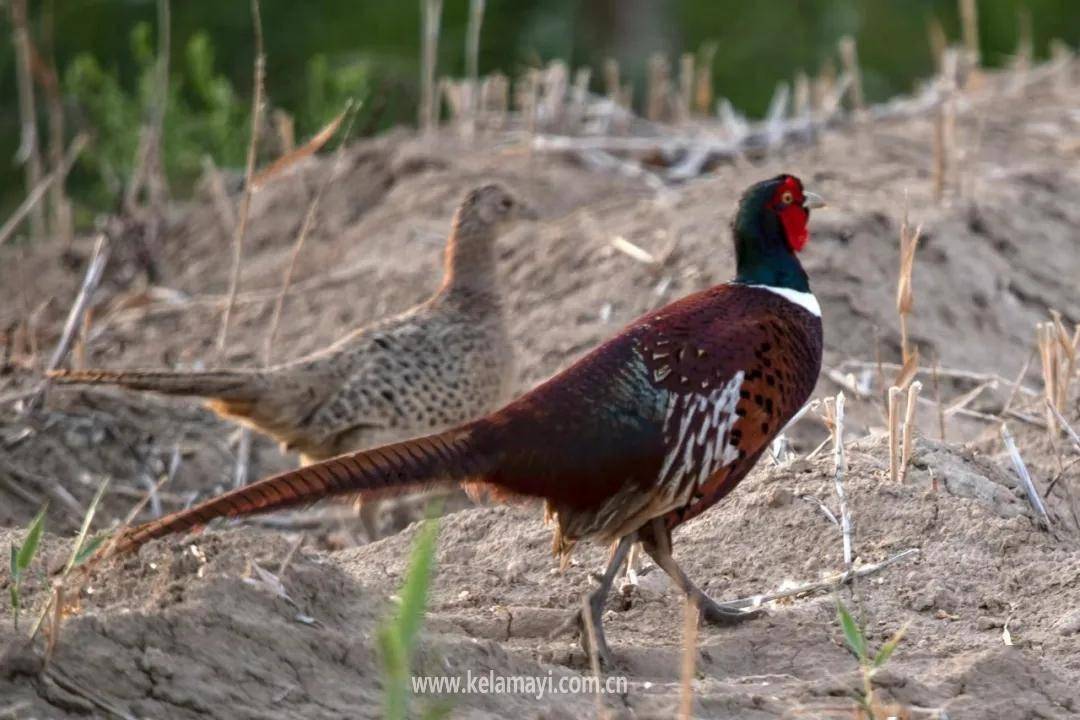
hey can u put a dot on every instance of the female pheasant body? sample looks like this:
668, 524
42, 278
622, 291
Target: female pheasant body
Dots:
645, 432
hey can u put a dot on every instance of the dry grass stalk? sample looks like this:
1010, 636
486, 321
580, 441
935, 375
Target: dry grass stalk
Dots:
909, 428
825, 585
909, 242
495, 100
839, 469
1062, 57
1025, 477
243, 458
612, 87
658, 90
223, 205
969, 24
894, 434
937, 402
945, 124
149, 171
61, 221
285, 127
686, 86
935, 34
94, 270
1057, 351
472, 64
1065, 425
240, 228
1025, 51
429, 108
703, 81
305, 229
289, 159
28, 154
801, 104
691, 618
33, 198
850, 57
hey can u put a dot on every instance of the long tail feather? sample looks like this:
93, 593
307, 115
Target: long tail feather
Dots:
408, 466
223, 384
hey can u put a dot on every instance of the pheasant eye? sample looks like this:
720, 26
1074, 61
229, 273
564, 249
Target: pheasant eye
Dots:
787, 198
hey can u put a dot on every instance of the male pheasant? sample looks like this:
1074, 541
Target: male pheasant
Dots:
438, 364
645, 432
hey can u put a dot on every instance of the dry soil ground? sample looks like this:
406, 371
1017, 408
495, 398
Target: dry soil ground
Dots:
180, 631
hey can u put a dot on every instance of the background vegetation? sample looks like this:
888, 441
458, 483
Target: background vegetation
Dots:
319, 53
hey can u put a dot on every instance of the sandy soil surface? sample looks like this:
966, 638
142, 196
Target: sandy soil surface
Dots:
182, 631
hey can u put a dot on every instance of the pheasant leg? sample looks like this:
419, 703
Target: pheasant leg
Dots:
591, 617
657, 544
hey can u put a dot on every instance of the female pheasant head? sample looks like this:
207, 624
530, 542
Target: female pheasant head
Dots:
485, 213
770, 228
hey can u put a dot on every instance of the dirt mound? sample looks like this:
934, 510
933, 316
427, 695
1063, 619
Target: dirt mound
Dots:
183, 630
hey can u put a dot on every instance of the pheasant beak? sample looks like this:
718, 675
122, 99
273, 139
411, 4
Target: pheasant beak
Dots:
813, 201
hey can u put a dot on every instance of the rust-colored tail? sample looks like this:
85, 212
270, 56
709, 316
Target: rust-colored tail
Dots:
408, 466
238, 385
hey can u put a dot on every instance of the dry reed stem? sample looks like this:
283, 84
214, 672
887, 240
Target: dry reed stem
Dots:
937, 401
1064, 424
305, 229
243, 458
850, 57
33, 198
28, 154
938, 41
691, 618
306, 150
909, 242
94, 270
658, 89
686, 86
945, 124
833, 582
969, 24
429, 39
240, 228
472, 63
909, 428
703, 81
839, 469
894, 434
1025, 477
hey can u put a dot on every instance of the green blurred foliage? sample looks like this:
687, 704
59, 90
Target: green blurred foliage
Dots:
322, 52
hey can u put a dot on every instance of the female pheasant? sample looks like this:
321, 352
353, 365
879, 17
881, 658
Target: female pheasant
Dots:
645, 432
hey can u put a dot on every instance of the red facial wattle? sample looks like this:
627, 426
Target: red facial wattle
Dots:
794, 217
788, 203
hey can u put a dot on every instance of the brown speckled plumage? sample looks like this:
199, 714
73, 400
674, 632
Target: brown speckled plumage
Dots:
440, 363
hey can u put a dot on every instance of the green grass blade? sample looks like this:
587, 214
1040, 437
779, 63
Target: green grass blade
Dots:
397, 637
414, 592
14, 563
88, 550
852, 634
76, 550
14, 591
29, 547
889, 647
